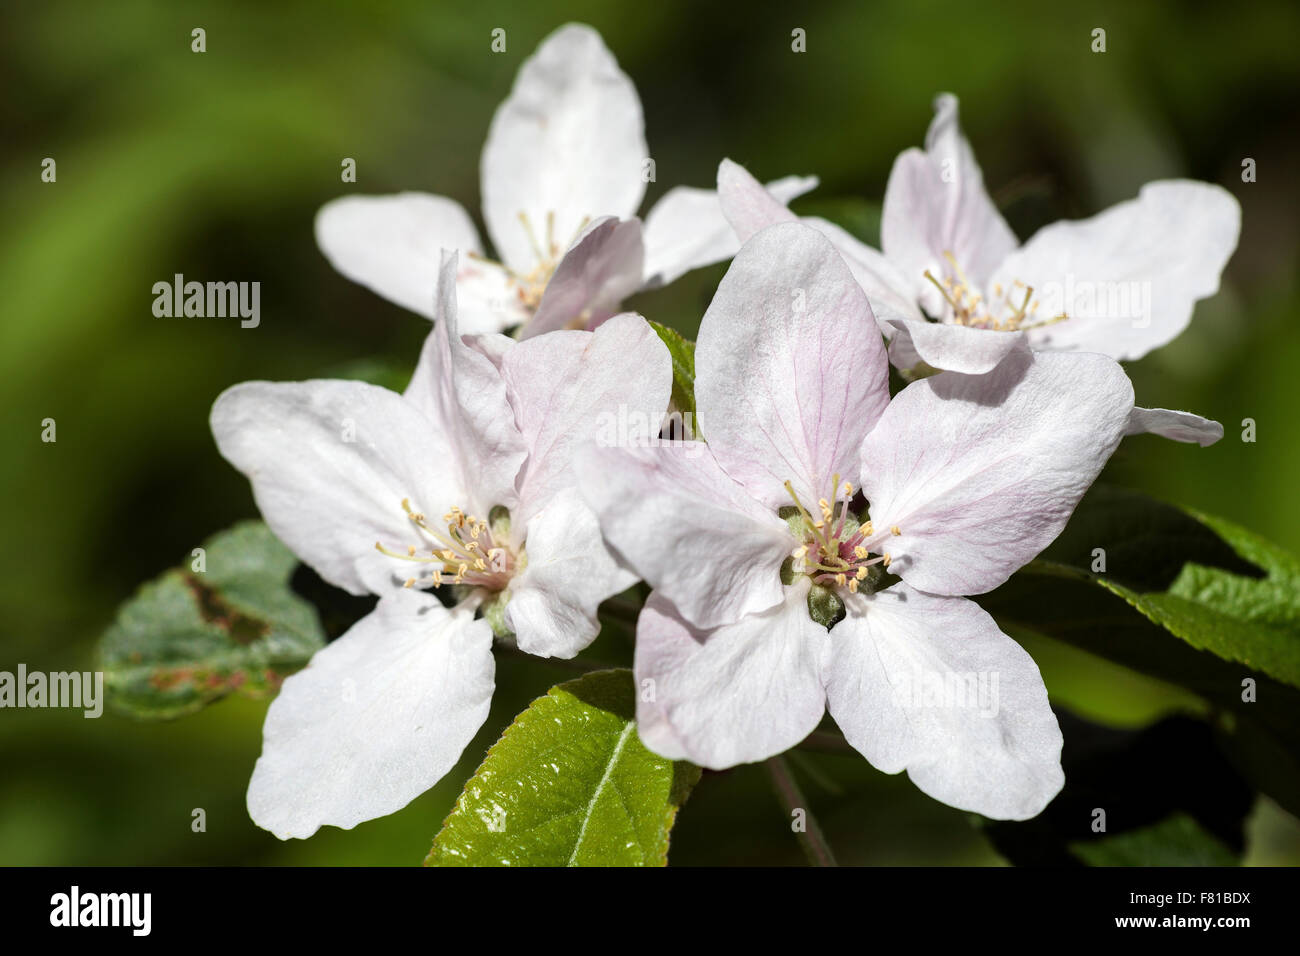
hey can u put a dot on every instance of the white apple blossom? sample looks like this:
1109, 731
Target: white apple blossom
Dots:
965, 478
955, 290
563, 172
353, 478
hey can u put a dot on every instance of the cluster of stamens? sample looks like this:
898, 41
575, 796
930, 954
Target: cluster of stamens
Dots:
531, 286
835, 552
1002, 314
464, 553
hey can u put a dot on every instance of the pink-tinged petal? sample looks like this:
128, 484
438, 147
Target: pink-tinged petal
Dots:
553, 603
1129, 277
377, 718
601, 270
571, 389
462, 392
733, 695
889, 293
750, 207
931, 686
393, 246
935, 203
746, 202
1179, 426
955, 348
790, 368
493, 347
566, 147
681, 523
330, 463
980, 473
687, 229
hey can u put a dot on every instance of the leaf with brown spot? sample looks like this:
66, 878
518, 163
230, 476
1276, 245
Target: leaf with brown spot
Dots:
189, 638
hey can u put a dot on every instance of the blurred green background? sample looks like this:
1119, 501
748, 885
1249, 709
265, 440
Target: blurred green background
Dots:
213, 165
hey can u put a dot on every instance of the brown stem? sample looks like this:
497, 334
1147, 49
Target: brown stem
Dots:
811, 839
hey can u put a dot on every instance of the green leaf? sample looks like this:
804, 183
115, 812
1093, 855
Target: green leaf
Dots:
569, 784
1215, 586
1253, 620
193, 636
1176, 841
1142, 781
1186, 598
682, 351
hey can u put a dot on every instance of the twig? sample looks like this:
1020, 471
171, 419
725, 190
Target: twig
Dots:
811, 839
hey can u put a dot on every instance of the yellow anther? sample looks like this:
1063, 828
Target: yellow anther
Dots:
410, 583
894, 530
853, 586
860, 552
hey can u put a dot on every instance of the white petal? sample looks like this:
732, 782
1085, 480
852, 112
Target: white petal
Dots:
376, 718
935, 203
330, 462
393, 246
686, 229
568, 143
601, 269
1179, 426
930, 685
461, 390
568, 389
687, 528
980, 473
1129, 277
956, 348
553, 603
487, 301
733, 695
790, 369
